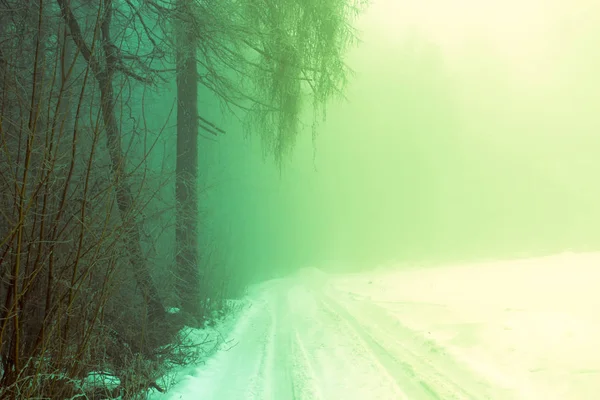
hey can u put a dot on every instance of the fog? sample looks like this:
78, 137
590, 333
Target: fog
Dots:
469, 131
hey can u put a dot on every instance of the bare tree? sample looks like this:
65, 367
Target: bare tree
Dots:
69, 218
103, 65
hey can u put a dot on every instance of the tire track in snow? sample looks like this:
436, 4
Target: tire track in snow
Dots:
264, 384
330, 361
274, 374
411, 363
303, 377
239, 372
397, 372
258, 386
305, 382
281, 382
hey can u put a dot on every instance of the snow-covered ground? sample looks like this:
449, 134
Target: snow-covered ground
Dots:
525, 329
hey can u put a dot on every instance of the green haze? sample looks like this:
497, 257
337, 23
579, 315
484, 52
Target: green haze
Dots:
469, 139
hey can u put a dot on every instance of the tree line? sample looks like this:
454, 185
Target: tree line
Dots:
79, 292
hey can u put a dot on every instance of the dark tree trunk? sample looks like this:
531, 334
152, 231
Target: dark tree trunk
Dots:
186, 180
104, 77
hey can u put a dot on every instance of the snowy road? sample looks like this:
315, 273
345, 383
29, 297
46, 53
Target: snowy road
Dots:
412, 334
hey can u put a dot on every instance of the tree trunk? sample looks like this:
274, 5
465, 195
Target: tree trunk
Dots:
186, 173
125, 202
104, 77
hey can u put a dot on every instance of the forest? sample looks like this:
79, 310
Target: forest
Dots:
108, 109
161, 159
